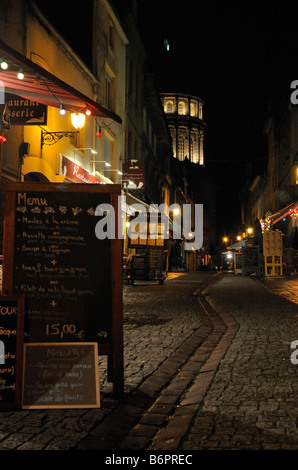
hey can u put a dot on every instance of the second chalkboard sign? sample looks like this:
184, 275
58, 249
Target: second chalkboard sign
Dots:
251, 260
61, 375
11, 350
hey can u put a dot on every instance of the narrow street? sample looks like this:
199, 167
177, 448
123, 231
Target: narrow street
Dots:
207, 366
158, 321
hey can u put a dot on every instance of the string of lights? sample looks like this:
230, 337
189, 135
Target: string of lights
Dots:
6, 65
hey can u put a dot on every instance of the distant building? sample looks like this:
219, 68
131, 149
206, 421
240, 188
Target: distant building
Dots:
272, 198
184, 114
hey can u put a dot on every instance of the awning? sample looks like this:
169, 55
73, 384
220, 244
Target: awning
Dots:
238, 245
43, 87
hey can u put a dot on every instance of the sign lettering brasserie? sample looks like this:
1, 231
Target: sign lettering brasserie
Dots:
21, 111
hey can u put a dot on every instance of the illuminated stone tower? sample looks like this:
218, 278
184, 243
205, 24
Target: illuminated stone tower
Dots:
184, 114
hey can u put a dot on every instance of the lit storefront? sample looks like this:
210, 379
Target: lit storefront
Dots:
40, 141
42, 104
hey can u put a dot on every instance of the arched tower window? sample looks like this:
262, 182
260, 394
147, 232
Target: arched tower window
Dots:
169, 107
200, 111
181, 107
193, 109
194, 146
181, 147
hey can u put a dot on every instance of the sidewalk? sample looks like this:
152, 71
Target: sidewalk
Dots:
252, 403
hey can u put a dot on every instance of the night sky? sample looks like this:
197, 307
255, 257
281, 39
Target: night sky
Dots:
238, 57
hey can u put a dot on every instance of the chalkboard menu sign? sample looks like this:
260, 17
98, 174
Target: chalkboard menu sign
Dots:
156, 258
238, 262
11, 350
71, 278
251, 260
61, 375
139, 268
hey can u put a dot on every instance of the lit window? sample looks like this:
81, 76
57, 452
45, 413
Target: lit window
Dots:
201, 111
169, 108
193, 109
181, 143
181, 107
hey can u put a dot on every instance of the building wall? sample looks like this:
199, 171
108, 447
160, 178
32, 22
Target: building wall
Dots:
137, 117
109, 66
278, 186
44, 46
24, 28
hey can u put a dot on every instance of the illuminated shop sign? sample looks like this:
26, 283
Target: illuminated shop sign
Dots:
22, 112
75, 172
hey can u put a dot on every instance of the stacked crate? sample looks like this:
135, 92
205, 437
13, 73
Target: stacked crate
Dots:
273, 252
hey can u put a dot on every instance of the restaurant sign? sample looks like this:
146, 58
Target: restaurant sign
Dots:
23, 112
75, 172
133, 174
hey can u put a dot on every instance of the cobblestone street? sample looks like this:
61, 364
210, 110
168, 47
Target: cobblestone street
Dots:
252, 402
207, 366
157, 321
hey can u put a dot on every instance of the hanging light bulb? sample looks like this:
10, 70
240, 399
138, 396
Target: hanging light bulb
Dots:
21, 74
78, 120
98, 133
88, 112
4, 64
62, 110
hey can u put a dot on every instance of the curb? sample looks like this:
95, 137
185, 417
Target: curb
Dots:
136, 420
225, 329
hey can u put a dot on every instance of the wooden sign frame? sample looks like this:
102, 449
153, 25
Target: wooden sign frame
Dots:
18, 363
114, 348
43, 372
